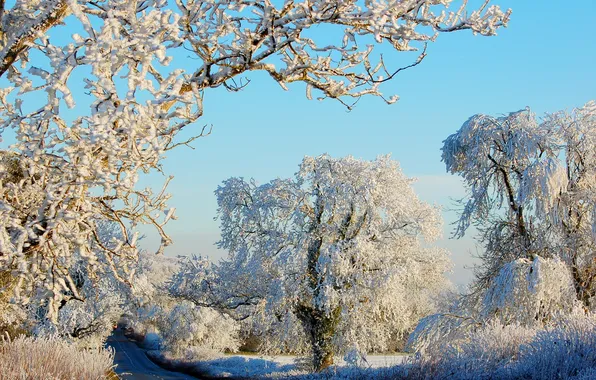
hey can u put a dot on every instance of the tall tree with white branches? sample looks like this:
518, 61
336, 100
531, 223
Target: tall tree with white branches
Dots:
532, 190
139, 94
532, 195
338, 248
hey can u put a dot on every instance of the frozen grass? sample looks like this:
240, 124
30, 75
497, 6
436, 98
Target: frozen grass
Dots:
564, 349
210, 364
357, 373
50, 359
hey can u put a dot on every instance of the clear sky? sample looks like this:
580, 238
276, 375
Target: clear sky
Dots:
545, 59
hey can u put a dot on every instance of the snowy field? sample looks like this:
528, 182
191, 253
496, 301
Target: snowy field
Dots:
284, 366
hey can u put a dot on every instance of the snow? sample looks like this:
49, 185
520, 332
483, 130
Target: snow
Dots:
253, 366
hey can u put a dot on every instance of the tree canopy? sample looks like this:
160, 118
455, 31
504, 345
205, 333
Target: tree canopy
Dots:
532, 189
338, 249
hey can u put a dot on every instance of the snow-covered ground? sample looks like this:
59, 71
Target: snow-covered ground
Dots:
282, 366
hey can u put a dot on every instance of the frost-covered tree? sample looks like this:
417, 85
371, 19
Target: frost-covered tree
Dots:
189, 331
573, 212
181, 328
338, 249
123, 62
531, 187
531, 190
149, 297
500, 159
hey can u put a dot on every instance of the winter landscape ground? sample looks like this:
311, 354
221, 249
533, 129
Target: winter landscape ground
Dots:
295, 242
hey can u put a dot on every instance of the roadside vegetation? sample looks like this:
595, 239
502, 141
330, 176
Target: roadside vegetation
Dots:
52, 359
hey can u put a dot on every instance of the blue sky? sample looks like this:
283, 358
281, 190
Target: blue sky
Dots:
545, 59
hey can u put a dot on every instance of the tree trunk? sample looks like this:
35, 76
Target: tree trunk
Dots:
320, 329
319, 326
582, 281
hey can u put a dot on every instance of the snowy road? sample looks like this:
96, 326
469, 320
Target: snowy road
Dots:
132, 363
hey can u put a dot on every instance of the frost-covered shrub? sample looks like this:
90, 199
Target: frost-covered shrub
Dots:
188, 328
491, 347
184, 330
566, 349
52, 359
525, 297
89, 323
477, 353
87, 319
150, 297
283, 334
381, 326
562, 349
529, 291
437, 330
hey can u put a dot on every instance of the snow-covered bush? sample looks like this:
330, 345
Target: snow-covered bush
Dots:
436, 331
489, 348
189, 330
87, 317
496, 344
88, 323
475, 352
529, 292
282, 334
52, 359
565, 349
524, 292
526, 296
562, 349
184, 330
